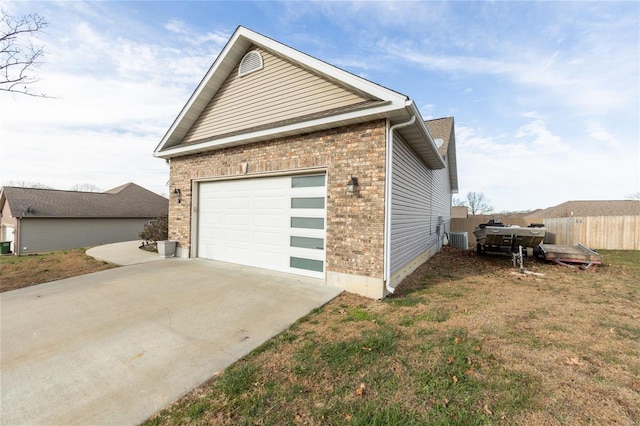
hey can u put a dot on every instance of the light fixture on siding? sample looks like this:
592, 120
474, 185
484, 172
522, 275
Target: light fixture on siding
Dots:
178, 193
352, 185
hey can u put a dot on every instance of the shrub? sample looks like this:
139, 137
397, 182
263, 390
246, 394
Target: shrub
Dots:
156, 230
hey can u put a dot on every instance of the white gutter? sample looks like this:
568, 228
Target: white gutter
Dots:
387, 202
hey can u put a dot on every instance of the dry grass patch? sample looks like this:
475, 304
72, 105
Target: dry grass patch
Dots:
23, 271
465, 340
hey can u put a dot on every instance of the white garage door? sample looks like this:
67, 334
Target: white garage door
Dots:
275, 223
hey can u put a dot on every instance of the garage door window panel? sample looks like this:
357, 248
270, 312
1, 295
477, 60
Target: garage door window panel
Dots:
307, 222
307, 203
308, 243
308, 181
308, 264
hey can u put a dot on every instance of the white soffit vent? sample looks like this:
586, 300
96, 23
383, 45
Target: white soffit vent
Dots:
251, 62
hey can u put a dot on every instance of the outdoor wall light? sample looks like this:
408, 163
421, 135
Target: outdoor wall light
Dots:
178, 193
352, 185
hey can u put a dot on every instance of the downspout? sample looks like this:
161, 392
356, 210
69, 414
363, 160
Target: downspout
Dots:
387, 204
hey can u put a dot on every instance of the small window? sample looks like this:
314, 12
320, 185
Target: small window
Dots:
251, 62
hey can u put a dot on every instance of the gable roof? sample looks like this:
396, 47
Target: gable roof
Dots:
590, 208
443, 128
383, 104
126, 201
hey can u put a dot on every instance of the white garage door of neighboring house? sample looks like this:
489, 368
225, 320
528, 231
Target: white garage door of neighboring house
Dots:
275, 223
8, 235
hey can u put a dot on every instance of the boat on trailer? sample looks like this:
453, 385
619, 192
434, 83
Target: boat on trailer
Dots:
495, 236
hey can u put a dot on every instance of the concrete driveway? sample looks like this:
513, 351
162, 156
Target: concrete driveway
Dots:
116, 346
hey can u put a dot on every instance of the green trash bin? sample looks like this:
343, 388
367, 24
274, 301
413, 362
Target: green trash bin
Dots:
5, 247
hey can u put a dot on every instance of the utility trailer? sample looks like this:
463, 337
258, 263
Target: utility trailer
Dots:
564, 255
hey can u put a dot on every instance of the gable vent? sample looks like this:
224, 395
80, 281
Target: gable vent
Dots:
251, 62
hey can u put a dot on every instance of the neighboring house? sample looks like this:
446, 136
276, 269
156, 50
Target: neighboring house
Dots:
586, 208
42, 220
264, 159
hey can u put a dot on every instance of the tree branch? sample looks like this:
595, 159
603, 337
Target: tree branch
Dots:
18, 59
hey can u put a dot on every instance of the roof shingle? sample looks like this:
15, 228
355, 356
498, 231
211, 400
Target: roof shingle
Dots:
126, 201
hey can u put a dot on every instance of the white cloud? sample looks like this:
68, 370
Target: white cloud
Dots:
566, 81
427, 110
598, 132
539, 98
114, 99
176, 26
540, 140
585, 58
519, 170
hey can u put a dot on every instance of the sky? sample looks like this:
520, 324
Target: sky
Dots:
545, 95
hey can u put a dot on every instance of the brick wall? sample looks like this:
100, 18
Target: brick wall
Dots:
355, 224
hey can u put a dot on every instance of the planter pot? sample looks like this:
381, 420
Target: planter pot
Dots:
166, 248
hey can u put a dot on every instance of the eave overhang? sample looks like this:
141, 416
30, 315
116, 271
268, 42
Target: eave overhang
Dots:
419, 139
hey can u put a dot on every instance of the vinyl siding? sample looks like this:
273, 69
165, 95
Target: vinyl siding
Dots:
280, 91
42, 235
418, 196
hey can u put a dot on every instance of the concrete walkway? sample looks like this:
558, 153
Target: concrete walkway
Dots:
114, 347
127, 253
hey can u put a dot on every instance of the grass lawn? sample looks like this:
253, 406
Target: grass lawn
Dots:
465, 340
23, 271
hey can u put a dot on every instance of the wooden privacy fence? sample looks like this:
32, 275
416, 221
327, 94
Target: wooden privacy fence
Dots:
596, 232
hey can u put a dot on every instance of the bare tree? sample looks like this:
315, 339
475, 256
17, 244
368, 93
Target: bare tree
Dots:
635, 196
25, 184
85, 187
478, 203
18, 54
455, 201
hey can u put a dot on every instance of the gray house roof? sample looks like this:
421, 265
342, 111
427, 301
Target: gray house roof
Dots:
126, 201
590, 208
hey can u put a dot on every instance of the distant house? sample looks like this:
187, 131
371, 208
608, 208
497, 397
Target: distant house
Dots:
585, 208
282, 161
42, 220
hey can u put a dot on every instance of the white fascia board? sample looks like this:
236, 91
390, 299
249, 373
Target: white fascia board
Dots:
422, 127
380, 112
